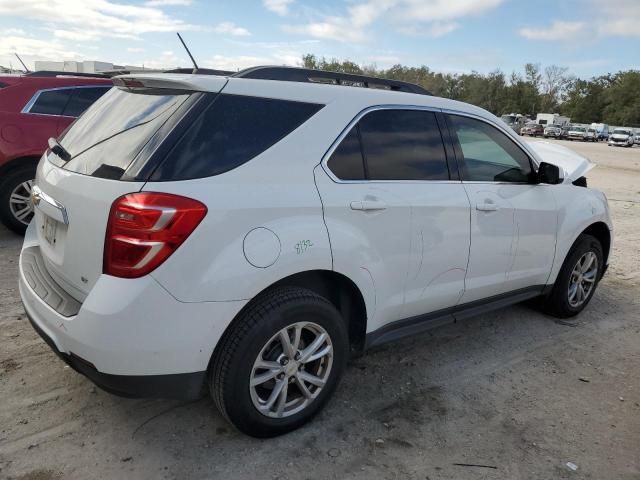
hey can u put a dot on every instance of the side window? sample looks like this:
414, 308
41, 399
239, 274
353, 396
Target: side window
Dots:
346, 161
488, 154
51, 102
231, 131
403, 145
82, 98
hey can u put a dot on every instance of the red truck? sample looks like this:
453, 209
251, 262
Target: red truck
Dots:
33, 108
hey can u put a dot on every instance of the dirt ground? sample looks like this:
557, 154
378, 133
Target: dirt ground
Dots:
513, 392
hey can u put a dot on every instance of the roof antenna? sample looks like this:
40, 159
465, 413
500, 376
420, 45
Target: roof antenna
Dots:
26, 70
195, 65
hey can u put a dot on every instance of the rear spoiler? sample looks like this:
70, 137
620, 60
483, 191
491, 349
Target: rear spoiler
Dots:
172, 81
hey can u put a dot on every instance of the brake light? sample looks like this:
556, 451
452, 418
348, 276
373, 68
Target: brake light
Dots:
145, 228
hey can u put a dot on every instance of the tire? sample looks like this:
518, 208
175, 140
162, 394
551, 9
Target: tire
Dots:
15, 183
254, 335
558, 303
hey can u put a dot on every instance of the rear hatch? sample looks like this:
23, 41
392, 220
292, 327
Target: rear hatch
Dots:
76, 185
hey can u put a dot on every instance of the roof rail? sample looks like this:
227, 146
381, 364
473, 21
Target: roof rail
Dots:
307, 75
53, 73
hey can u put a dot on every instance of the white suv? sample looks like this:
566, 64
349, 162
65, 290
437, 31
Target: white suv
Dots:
247, 234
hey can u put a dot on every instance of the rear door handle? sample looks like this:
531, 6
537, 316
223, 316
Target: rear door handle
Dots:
368, 205
487, 207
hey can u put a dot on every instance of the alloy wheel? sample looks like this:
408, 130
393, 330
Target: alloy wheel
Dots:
291, 370
20, 203
582, 279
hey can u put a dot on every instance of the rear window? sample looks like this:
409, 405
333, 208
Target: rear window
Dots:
51, 102
105, 140
232, 130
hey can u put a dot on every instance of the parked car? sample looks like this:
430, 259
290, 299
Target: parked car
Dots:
515, 121
602, 129
239, 236
33, 108
553, 131
577, 133
622, 137
532, 129
592, 135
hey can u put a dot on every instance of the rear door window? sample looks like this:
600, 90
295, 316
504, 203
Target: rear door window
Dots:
105, 140
403, 145
51, 102
230, 132
82, 98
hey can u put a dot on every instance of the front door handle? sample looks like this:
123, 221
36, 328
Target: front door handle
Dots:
487, 207
368, 205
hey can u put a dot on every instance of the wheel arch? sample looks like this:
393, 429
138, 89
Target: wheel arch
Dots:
601, 231
18, 162
341, 291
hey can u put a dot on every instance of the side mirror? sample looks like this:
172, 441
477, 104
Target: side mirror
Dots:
548, 173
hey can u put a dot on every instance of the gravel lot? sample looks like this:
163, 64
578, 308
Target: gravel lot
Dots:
512, 392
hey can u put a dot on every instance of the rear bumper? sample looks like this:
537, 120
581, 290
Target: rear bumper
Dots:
183, 386
130, 336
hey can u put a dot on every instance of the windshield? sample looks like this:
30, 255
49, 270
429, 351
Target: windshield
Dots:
107, 137
577, 129
508, 119
619, 131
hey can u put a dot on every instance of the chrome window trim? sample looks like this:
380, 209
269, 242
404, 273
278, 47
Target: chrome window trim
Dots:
356, 119
29, 105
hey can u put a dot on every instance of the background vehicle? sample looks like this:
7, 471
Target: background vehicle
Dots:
602, 129
622, 137
532, 129
592, 135
577, 133
515, 121
552, 119
194, 274
554, 131
33, 108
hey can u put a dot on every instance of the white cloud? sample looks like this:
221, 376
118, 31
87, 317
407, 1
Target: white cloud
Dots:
162, 3
135, 49
14, 31
238, 62
90, 19
31, 49
434, 18
617, 18
558, 30
281, 7
231, 28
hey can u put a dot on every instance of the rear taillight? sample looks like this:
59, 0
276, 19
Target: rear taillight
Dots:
145, 228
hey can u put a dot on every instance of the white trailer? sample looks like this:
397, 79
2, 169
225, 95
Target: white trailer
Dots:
552, 119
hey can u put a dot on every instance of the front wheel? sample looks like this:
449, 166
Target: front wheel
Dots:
577, 279
279, 363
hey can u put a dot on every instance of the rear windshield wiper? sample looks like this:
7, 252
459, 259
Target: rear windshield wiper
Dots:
59, 150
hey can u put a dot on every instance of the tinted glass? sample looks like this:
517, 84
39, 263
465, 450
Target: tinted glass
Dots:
403, 145
107, 137
346, 161
231, 131
83, 98
51, 102
488, 154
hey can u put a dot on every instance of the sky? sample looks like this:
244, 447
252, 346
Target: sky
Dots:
590, 37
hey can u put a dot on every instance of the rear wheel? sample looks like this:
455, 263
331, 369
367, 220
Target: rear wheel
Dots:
577, 279
16, 210
280, 362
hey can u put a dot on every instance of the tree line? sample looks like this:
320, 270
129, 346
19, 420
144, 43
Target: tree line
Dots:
613, 98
